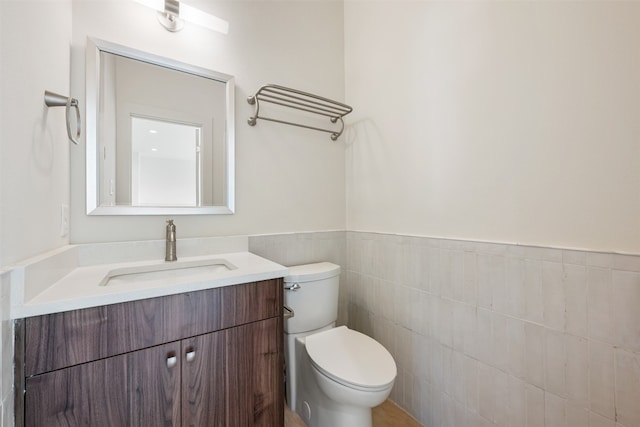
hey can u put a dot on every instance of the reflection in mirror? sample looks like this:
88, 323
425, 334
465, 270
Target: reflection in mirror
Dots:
159, 135
165, 168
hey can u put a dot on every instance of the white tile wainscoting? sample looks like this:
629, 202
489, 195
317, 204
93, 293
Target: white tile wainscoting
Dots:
501, 335
490, 334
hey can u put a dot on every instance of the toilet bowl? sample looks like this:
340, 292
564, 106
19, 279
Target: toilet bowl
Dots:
351, 367
334, 375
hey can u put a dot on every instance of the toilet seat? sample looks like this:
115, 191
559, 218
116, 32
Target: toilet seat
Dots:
351, 359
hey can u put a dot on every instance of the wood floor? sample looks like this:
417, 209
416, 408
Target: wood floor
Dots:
291, 419
386, 415
391, 415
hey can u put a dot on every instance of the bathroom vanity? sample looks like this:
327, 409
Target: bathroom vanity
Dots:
211, 357
110, 335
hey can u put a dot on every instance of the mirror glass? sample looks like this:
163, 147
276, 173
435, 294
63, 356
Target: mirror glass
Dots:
159, 146
160, 135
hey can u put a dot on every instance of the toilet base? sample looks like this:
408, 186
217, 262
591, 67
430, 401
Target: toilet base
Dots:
334, 415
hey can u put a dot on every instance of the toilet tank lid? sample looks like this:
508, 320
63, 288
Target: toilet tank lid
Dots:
311, 272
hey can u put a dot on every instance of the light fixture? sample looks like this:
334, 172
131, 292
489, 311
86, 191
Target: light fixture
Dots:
173, 13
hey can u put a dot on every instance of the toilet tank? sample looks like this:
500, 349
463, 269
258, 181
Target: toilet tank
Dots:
315, 302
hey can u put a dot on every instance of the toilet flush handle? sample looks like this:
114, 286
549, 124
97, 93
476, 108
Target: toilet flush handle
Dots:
293, 287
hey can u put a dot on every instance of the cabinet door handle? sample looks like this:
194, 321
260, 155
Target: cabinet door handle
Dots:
172, 360
191, 355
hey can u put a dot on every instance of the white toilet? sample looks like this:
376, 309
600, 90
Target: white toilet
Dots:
334, 375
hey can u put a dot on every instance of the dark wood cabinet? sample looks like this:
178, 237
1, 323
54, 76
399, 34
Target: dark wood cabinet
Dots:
252, 350
206, 358
133, 389
204, 380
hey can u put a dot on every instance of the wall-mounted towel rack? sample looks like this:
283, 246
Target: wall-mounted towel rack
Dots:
54, 100
299, 100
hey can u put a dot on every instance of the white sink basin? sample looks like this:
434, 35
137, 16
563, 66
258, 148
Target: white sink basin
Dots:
168, 270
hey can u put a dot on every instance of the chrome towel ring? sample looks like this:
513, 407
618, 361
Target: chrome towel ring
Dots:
54, 100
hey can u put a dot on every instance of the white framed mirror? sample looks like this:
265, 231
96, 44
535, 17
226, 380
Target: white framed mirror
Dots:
160, 135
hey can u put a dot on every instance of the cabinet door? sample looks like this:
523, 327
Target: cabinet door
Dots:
134, 389
153, 386
203, 381
254, 369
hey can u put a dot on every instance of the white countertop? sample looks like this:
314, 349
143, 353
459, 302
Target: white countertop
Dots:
79, 288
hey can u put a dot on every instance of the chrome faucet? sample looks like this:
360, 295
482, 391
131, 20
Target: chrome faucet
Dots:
170, 250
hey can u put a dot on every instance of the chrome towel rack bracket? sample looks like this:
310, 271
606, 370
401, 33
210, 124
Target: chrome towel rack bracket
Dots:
54, 100
302, 101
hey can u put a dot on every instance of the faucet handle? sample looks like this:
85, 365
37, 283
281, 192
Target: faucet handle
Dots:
171, 227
